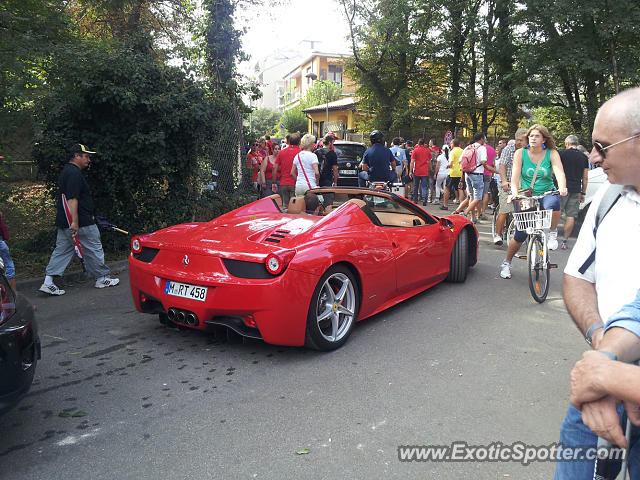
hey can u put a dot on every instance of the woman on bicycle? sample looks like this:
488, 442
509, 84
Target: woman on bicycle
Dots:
540, 151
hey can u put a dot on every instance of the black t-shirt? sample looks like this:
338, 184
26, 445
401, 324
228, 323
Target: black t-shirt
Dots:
379, 159
573, 162
73, 184
327, 159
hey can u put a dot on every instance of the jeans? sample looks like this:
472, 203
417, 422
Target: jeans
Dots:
419, 181
431, 187
65, 250
10, 270
575, 433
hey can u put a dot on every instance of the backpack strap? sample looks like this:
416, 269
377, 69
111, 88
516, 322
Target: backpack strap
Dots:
611, 196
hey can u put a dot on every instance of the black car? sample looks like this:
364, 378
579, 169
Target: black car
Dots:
19, 345
349, 157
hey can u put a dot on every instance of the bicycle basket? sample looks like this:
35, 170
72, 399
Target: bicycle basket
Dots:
530, 221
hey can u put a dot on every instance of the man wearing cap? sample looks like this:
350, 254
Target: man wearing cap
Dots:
78, 194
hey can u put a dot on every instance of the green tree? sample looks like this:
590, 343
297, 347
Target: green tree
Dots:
148, 122
294, 120
321, 92
392, 47
263, 121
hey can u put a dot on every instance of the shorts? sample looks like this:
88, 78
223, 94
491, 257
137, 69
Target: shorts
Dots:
570, 204
475, 185
486, 180
502, 199
453, 184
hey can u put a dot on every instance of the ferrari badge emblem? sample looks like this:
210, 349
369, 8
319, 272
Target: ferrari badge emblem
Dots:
185, 260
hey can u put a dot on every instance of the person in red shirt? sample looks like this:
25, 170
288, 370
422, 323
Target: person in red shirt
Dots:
269, 144
420, 159
283, 163
254, 159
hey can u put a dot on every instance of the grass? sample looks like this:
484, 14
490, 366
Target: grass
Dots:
30, 213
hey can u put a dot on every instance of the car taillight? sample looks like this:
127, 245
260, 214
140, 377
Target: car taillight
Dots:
276, 263
135, 245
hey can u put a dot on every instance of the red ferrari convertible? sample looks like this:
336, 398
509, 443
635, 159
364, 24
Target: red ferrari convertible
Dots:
300, 277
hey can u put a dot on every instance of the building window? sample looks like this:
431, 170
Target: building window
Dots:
323, 74
335, 74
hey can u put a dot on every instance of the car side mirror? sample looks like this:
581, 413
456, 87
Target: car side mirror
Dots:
445, 224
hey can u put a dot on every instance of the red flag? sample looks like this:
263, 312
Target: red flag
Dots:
78, 247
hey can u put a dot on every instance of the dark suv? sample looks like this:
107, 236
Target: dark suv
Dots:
349, 157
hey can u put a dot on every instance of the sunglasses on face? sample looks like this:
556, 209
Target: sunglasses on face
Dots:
601, 149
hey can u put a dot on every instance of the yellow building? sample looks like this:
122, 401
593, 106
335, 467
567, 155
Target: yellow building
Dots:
322, 66
338, 117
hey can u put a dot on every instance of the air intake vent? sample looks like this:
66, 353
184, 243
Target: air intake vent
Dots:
277, 236
147, 254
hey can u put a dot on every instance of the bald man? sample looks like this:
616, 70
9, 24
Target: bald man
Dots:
612, 281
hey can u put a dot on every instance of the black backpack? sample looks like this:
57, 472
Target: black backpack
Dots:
321, 153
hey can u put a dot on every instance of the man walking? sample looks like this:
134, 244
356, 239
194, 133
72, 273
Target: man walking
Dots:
73, 185
284, 162
399, 156
328, 160
419, 171
576, 169
594, 292
378, 163
504, 189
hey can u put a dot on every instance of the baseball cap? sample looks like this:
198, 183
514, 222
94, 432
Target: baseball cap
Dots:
79, 148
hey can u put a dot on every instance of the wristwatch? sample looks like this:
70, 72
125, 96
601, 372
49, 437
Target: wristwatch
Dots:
591, 330
582, 193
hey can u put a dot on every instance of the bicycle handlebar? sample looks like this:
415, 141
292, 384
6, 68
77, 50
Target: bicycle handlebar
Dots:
535, 197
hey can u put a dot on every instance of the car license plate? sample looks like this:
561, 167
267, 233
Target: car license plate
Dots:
347, 172
185, 290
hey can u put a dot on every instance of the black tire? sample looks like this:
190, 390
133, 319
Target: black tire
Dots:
459, 261
493, 223
538, 271
322, 332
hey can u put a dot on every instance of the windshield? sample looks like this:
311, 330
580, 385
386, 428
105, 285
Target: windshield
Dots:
349, 151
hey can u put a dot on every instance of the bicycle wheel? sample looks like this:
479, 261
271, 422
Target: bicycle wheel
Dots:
509, 229
493, 223
538, 269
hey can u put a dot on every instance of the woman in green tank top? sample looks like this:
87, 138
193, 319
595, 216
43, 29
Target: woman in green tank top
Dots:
541, 150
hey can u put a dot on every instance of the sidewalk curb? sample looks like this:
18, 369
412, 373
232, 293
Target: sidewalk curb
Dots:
77, 276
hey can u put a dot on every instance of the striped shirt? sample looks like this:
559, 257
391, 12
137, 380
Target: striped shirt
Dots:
506, 159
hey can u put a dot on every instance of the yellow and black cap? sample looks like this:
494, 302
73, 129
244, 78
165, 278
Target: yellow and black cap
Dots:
79, 148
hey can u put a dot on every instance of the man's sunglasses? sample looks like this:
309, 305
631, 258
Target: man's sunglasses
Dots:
602, 149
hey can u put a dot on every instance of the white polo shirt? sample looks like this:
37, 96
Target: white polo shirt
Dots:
616, 269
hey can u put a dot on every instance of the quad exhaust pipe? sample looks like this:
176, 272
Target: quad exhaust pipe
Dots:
182, 316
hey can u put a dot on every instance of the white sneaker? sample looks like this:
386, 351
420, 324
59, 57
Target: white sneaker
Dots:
552, 241
436, 201
107, 282
51, 289
497, 240
505, 270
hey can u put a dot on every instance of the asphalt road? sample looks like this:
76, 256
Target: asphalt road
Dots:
118, 396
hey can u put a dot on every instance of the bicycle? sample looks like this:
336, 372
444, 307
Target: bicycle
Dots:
534, 221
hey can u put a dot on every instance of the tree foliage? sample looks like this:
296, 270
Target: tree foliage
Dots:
321, 92
148, 122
